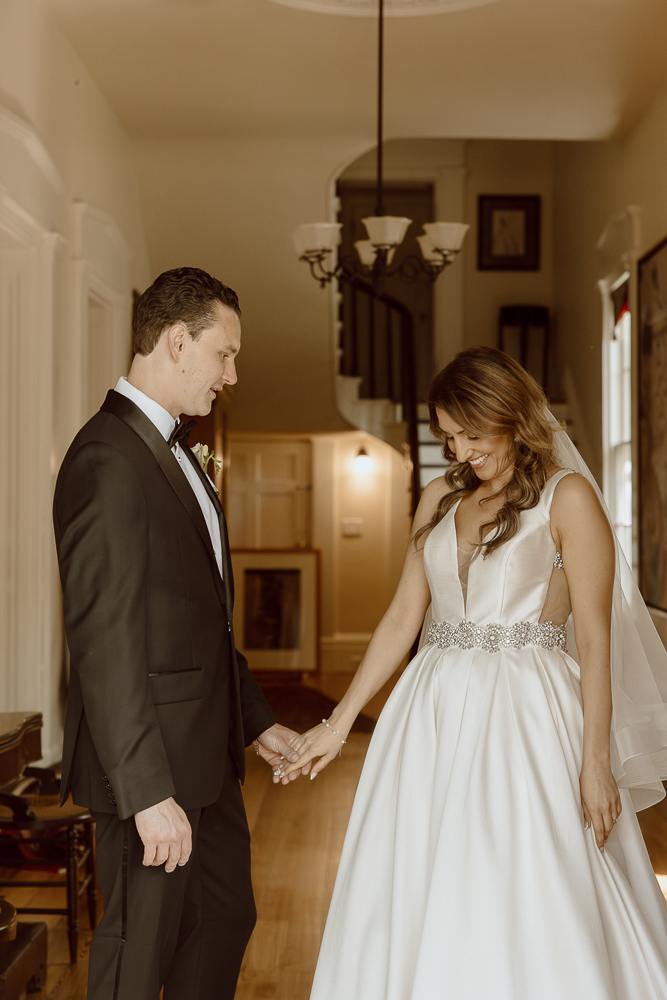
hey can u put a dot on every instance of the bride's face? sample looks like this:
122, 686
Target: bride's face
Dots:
488, 457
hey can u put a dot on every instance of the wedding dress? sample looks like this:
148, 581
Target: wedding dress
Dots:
467, 873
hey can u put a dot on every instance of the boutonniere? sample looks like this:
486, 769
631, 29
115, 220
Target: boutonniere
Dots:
205, 457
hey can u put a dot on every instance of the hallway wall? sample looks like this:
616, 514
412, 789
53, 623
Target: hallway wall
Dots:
593, 183
229, 207
71, 248
506, 167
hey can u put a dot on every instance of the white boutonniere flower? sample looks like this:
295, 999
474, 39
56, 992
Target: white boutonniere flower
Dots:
205, 457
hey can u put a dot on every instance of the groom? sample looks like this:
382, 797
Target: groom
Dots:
161, 706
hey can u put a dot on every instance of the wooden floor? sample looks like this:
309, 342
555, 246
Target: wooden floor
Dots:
297, 836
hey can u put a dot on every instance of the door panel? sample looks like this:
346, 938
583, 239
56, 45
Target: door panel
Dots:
269, 493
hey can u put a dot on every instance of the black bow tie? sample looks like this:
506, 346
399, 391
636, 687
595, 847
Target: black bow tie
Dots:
180, 433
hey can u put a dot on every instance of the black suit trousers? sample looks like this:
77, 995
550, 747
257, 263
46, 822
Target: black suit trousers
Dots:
185, 930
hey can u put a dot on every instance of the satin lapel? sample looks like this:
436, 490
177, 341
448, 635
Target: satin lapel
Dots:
129, 413
226, 553
227, 575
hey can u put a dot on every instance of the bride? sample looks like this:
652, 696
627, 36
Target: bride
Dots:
493, 851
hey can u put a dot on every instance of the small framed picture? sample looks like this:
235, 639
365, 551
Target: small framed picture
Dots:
508, 232
276, 608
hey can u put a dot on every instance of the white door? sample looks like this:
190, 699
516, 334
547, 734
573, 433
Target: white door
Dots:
268, 504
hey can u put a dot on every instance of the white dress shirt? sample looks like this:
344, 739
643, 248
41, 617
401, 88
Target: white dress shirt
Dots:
165, 423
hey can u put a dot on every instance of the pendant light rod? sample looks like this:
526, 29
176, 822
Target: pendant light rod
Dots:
379, 207
317, 243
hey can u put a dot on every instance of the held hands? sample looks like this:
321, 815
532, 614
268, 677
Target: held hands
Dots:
322, 741
600, 800
166, 835
275, 745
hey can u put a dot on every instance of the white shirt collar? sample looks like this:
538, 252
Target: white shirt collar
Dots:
157, 414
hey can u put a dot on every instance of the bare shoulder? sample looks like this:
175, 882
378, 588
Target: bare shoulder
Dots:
574, 492
428, 506
431, 496
577, 515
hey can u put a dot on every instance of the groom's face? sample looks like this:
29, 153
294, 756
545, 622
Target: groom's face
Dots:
207, 364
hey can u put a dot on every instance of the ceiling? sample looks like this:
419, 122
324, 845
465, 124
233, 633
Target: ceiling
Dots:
543, 69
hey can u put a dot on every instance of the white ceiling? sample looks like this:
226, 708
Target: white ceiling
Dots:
552, 69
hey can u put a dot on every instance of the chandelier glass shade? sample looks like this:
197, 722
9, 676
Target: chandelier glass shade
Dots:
316, 242
393, 8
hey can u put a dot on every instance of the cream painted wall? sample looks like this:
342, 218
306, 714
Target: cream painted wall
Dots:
359, 574
43, 81
59, 144
229, 207
505, 167
593, 183
587, 193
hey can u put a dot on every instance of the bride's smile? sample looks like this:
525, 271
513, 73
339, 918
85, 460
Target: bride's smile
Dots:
491, 458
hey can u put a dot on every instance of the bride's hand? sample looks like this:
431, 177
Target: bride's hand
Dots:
319, 742
600, 800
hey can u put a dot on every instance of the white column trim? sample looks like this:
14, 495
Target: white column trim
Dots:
24, 133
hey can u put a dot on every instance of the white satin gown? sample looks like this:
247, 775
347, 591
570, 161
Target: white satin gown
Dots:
466, 872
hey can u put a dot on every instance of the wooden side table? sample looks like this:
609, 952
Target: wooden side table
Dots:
23, 946
23, 961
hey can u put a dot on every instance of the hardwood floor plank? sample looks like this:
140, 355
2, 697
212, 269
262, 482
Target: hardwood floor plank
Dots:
297, 842
653, 823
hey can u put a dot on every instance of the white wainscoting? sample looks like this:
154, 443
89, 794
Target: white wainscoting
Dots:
102, 305
30, 634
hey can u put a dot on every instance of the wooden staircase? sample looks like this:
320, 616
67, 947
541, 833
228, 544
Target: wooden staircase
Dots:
376, 384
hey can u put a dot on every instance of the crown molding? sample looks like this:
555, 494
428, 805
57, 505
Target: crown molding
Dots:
22, 132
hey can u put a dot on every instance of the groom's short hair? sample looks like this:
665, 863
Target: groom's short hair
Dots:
184, 295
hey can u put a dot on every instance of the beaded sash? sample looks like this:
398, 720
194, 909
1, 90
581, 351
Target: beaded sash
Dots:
467, 635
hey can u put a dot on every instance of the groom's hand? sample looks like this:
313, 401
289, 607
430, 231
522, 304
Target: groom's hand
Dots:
275, 746
165, 833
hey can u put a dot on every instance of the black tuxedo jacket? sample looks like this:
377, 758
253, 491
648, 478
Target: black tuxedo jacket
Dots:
158, 694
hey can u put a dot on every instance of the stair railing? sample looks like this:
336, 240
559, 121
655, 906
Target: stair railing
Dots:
377, 345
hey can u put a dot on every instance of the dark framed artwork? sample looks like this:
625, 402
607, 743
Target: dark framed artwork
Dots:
508, 232
276, 608
652, 386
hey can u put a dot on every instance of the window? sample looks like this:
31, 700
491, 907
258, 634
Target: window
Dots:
617, 411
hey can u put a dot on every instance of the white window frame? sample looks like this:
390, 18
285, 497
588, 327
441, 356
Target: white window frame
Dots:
617, 415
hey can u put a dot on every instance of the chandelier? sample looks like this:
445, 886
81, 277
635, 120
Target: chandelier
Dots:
316, 242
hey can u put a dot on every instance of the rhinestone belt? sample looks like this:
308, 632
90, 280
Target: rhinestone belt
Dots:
467, 635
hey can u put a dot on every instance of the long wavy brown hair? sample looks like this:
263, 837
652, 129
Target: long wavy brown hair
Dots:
488, 393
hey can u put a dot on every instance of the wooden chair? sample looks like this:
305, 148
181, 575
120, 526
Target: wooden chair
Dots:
39, 819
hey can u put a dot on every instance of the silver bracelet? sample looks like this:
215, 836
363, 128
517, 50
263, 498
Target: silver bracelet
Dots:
255, 743
326, 723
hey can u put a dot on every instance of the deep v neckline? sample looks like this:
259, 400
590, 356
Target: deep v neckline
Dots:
463, 593
464, 588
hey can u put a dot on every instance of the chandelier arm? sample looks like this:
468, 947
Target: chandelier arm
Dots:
412, 267
318, 270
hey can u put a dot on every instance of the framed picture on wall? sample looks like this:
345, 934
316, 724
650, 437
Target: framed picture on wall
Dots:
277, 607
508, 232
652, 393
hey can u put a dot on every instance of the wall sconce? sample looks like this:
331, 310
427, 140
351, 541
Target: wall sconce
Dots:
363, 463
